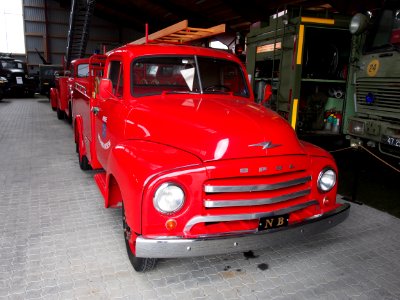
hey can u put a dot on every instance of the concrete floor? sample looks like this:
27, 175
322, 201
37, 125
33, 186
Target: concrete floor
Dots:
57, 241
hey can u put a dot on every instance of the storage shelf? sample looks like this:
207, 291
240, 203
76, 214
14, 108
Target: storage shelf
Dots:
319, 132
266, 78
323, 80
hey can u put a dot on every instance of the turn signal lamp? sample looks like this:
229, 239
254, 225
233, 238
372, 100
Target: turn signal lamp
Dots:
170, 224
326, 201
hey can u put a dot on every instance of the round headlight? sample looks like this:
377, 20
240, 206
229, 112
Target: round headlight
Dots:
326, 180
358, 23
168, 198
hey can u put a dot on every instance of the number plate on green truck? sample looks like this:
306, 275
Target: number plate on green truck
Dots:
392, 141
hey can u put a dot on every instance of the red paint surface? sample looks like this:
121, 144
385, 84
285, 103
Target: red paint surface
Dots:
190, 139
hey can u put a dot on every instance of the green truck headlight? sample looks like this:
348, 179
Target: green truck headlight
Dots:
356, 127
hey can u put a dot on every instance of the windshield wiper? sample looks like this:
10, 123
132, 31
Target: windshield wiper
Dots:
180, 92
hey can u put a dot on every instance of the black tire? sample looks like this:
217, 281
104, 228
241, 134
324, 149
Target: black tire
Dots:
84, 163
140, 264
69, 118
83, 160
60, 114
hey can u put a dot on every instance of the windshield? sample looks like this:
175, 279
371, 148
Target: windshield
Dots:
171, 74
10, 64
385, 32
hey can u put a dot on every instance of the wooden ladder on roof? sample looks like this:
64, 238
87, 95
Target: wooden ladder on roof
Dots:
180, 33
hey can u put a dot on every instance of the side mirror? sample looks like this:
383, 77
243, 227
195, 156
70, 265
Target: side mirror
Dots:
358, 23
267, 93
105, 88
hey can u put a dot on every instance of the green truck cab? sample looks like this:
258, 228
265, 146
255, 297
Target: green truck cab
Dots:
376, 80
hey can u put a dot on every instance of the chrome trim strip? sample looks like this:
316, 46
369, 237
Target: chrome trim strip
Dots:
254, 202
181, 247
238, 217
208, 188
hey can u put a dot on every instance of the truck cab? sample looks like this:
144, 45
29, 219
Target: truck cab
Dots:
376, 80
61, 95
196, 165
47, 77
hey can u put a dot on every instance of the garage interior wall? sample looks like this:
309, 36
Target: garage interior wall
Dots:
46, 26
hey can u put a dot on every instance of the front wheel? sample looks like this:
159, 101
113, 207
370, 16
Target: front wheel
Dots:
140, 264
83, 160
60, 114
69, 117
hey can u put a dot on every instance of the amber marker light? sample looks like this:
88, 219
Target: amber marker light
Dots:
326, 201
170, 224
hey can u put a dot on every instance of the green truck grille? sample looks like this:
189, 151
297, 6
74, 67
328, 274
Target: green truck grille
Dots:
385, 93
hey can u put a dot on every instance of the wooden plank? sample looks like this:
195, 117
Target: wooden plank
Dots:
217, 29
181, 33
163, 32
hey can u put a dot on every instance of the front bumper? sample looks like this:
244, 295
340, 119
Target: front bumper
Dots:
179, 247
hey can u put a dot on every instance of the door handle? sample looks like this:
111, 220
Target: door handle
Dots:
95, 110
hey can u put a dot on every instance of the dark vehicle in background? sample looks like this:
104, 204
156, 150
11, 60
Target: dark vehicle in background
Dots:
3, 82
47, 78
18, 83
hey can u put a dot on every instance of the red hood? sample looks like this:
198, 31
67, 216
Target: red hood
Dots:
212, 127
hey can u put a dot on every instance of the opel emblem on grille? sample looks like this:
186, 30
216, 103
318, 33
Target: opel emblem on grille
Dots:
265, 145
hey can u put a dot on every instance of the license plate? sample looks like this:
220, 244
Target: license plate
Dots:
19, 80
273, 222
392, 141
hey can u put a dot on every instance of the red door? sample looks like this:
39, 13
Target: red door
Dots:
110, 115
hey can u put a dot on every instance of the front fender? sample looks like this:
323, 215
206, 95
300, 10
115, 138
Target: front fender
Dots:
78, 127
133, 164
319, 160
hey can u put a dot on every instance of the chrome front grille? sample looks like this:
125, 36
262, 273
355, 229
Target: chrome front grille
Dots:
386, 93
209, 188
258, 201
244, 217
257, 191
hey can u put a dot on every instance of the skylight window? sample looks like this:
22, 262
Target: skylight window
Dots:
11, 27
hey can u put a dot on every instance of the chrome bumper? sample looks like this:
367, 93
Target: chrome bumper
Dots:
179, 247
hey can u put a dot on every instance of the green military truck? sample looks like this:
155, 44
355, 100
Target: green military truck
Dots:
376, 80
298, 64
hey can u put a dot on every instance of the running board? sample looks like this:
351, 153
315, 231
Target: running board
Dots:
100, 179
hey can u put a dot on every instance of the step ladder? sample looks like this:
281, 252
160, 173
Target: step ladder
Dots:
78, 33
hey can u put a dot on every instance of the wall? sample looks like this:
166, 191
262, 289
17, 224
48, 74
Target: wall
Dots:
46, 25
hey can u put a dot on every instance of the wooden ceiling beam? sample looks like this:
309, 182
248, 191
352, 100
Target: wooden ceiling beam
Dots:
199, 18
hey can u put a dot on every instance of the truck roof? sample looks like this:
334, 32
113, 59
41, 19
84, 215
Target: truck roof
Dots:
168, 49
11, 59
80, 60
